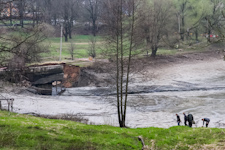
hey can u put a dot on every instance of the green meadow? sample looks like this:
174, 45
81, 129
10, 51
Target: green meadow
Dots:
80, 42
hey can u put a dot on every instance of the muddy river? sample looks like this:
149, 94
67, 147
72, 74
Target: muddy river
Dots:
196, 87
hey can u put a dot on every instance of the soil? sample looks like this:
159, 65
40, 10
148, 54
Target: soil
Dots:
147, 68
201, 76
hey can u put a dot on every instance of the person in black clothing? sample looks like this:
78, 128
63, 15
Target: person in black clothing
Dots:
206, 120
178, 119
190, 119
185, 119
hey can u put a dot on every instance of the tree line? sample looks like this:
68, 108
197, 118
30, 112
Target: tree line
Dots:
159, 20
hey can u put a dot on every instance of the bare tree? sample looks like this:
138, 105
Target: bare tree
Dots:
69, 9
21, 4
92, 47
93, 8
182, 8
52, 11
120, 17
72, 49
10, 11
24, 47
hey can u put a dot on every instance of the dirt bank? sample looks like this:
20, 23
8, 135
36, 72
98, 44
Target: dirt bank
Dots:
189, 71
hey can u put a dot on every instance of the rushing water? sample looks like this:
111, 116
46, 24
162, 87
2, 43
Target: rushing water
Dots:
197, 88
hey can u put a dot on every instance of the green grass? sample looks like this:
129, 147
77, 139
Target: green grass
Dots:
24, 132
76, 39
81, 42
82, 45
2, 22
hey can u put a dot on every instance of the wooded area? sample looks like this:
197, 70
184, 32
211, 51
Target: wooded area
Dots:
158, 20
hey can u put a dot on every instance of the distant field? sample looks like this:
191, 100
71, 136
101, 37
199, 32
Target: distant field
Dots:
25, 132
81, 42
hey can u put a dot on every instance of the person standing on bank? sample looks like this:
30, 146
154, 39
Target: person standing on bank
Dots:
206, 120
190, 119
178, 119
185, 119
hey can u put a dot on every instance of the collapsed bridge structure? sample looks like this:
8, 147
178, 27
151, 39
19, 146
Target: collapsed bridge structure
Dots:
52, 79
47, 79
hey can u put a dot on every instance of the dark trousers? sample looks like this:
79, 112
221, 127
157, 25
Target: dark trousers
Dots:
185, 122
190, 123
206, 124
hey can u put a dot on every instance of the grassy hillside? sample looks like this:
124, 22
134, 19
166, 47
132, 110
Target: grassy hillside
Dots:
26, 132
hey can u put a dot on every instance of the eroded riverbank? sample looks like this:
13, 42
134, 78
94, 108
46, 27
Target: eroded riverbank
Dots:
156, 95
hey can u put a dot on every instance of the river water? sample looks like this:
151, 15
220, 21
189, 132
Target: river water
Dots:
196, 87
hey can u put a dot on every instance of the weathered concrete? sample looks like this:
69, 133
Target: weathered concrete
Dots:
41, 91
42, 78
36, 73
49, 79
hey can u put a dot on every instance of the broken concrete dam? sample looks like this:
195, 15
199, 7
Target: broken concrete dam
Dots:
47, 79
52, 79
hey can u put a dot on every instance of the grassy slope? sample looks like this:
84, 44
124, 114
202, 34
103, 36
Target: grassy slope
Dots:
28, 132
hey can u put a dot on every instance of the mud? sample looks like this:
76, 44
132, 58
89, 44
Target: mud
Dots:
192, 84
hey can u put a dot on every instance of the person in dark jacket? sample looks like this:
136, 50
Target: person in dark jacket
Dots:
178, 119
185, 119
190, 119
206, 120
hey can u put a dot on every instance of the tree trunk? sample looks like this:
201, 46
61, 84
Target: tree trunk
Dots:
55, 20
70, 29
148, 44
37, 16
65, 33
122, 123
66, 37
21, 12
21, 22
154, 50
182, 30
196, 35
94, 28
209, 33
33, 18
10, 13
21, 19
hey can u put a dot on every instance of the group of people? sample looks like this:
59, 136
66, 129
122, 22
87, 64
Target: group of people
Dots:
190, 119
